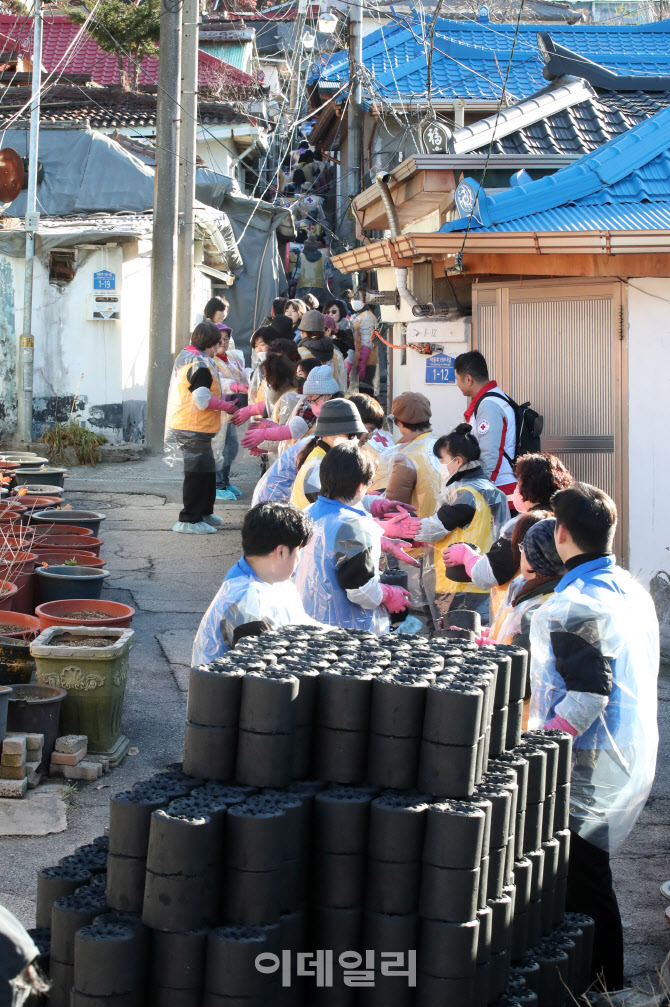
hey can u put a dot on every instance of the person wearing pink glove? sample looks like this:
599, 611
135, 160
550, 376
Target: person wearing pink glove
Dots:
193, 418
279, 374
470, 513
233, 380
338, 574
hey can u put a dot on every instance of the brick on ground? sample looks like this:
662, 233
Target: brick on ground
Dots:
84, 771
61, 759
68, 744
34, 776
102, 759
13, 760
13, 772
15, 745
13, 788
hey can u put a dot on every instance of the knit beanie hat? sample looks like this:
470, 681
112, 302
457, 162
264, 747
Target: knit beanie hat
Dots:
322, 349
540, 549
338, 416
320, 381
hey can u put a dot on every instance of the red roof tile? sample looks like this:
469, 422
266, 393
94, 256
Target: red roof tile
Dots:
87, 57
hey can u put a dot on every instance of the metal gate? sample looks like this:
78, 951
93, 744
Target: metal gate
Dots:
560, 345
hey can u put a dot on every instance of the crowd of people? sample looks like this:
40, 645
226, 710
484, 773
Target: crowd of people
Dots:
354, 525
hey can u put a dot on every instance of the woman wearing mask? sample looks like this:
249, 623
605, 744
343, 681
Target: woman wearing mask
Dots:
378, 442
364, 323
538, 476
320, 386
193, 419
541, 569
295, 425
338, 573
282, 399
233, 380
469, 509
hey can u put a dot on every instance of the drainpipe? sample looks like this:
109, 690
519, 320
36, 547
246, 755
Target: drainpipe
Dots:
394, 227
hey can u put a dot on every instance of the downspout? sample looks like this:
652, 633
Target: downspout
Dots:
394, 227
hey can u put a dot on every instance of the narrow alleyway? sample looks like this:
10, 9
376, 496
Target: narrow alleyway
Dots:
170, 580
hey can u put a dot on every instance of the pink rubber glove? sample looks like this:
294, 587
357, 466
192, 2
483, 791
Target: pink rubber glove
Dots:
397, 549
381, 507
483, 637
401, 526
395, 599
460, 555
559, 724
365, 353
238, 388
254, 437
221, 406
246, 412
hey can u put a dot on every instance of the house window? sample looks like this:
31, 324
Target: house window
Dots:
61, 266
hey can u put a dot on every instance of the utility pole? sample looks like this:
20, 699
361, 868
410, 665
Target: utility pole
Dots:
27, 348
187, 155
164, 243
354, 144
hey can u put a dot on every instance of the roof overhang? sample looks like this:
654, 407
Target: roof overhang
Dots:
426, 182
439, 248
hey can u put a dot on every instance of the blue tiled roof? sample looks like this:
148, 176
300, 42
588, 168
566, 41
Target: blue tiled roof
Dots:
470, 59
623, 185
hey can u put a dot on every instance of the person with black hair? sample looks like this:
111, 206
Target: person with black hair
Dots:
193, 418
469, 508
234, 381
539, 476
282, 399
284, 326
378, 442
216, 310
338, 573
593, 673
257, 592
492, 417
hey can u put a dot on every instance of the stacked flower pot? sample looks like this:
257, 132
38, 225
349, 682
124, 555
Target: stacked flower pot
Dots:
357, 820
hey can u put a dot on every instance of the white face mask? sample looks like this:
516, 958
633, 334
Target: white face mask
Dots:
357, 305
258, 358
446, 470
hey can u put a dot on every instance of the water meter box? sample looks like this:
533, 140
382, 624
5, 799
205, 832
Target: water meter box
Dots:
104, 307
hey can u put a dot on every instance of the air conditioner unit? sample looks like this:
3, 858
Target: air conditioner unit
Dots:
105, 308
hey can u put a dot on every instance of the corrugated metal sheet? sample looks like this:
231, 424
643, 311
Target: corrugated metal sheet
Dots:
613, 217
238, 54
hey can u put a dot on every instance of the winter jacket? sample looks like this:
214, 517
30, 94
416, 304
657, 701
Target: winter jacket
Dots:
494, 425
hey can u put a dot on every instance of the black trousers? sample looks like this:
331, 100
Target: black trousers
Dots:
590, 891
199, 491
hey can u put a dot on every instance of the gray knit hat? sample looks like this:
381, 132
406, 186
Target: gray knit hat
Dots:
312, 321
320, 381
338, 416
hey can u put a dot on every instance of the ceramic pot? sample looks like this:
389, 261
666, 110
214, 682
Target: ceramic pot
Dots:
8, 592
16, 664
94, 679
57, 613
35, 709
81, 518
59, 583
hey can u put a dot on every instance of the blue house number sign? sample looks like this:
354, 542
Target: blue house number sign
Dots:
104, 280
440, 370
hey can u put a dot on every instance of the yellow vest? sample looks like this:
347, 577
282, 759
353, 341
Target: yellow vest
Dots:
427, 486
183, 414
298, 492
481, 531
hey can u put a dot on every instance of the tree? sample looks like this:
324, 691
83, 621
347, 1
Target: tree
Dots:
119, 27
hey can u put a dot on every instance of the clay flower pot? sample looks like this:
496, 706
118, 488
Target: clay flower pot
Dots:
81, 518
69, 542
38, 490
19, 626
58, 583
43, 531
72, 613
16, 664
36, 709
94, 678
34, 502
59, 557
8, 592
19, 568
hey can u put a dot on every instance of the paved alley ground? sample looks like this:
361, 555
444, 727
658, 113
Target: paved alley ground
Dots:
170, 579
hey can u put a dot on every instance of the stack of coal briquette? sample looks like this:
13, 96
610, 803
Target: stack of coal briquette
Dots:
340, 792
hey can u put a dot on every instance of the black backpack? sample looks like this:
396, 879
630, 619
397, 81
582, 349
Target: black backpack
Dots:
529, 426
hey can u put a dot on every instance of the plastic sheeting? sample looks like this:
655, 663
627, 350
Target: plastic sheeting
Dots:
615, 758
277, 483
194, 448
515, 620
244, 598
340, 533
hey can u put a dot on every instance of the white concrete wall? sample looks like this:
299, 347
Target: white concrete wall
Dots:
648, 426
217, 154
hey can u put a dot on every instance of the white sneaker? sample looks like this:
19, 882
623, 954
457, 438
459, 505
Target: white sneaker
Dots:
194, 528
